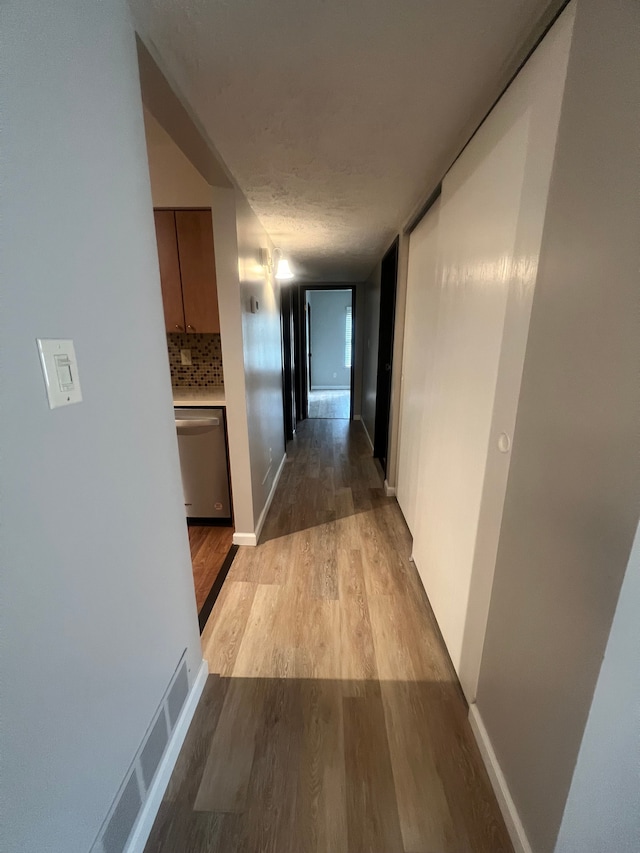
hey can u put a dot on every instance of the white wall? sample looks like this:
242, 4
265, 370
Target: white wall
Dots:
328, 335
420, 326
252, 356
371, 328
603, 808
262, 355
223, 210
98, 600
489, 231
571, 506
175, 182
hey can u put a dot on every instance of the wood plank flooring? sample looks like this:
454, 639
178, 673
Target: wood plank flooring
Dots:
329, 404
332, 720
209, 547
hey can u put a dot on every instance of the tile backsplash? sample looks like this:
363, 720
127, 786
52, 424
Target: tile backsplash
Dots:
206, 360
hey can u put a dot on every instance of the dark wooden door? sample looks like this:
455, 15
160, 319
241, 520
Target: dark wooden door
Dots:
288, 363
309, 353
297, 352
388, 282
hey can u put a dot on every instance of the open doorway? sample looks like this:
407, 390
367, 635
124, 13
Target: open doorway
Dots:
329, 344
185, 241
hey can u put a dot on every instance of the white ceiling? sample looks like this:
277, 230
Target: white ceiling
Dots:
337, 117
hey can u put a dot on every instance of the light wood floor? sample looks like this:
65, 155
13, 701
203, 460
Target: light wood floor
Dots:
329, 404
332, 720
209, 547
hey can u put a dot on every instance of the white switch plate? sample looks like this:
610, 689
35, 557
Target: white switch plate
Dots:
185, 357
60, 369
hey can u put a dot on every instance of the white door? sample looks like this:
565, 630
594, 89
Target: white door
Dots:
421, 314
489, 234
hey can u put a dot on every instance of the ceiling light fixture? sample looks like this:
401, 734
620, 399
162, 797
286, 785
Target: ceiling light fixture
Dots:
283, 270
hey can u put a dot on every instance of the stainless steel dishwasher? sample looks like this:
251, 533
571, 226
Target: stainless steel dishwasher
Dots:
202, 446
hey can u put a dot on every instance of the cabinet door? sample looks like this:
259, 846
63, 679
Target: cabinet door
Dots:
198, 270
169, 270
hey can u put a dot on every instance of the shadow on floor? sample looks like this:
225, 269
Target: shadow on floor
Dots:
336, 722
285, 764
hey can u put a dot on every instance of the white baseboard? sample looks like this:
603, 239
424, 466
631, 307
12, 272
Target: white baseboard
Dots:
251, 539
142, 829
390, 491
331, 388
268, 502
364, 427
505, 801
244, 539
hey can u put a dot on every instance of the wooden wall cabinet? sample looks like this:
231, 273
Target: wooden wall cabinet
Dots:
187, 270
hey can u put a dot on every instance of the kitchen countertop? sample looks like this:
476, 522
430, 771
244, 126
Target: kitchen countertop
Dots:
208, 396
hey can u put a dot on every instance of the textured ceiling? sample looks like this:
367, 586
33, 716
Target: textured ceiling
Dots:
334, 115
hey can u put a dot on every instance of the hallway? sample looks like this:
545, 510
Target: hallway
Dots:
332, 720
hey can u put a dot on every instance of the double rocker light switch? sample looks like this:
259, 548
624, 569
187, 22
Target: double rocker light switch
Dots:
60, 369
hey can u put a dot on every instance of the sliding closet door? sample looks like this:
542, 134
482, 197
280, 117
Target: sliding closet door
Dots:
489, 233
419, 341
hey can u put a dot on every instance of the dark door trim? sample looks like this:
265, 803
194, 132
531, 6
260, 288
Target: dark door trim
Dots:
388, 285
307, 337
303, 381
297, 350
288, 363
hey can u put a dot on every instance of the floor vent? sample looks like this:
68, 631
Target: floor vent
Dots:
177, 694
116, 829
153, 750
124, 816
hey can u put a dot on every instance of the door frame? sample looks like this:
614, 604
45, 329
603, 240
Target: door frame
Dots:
302, 384
288, 363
